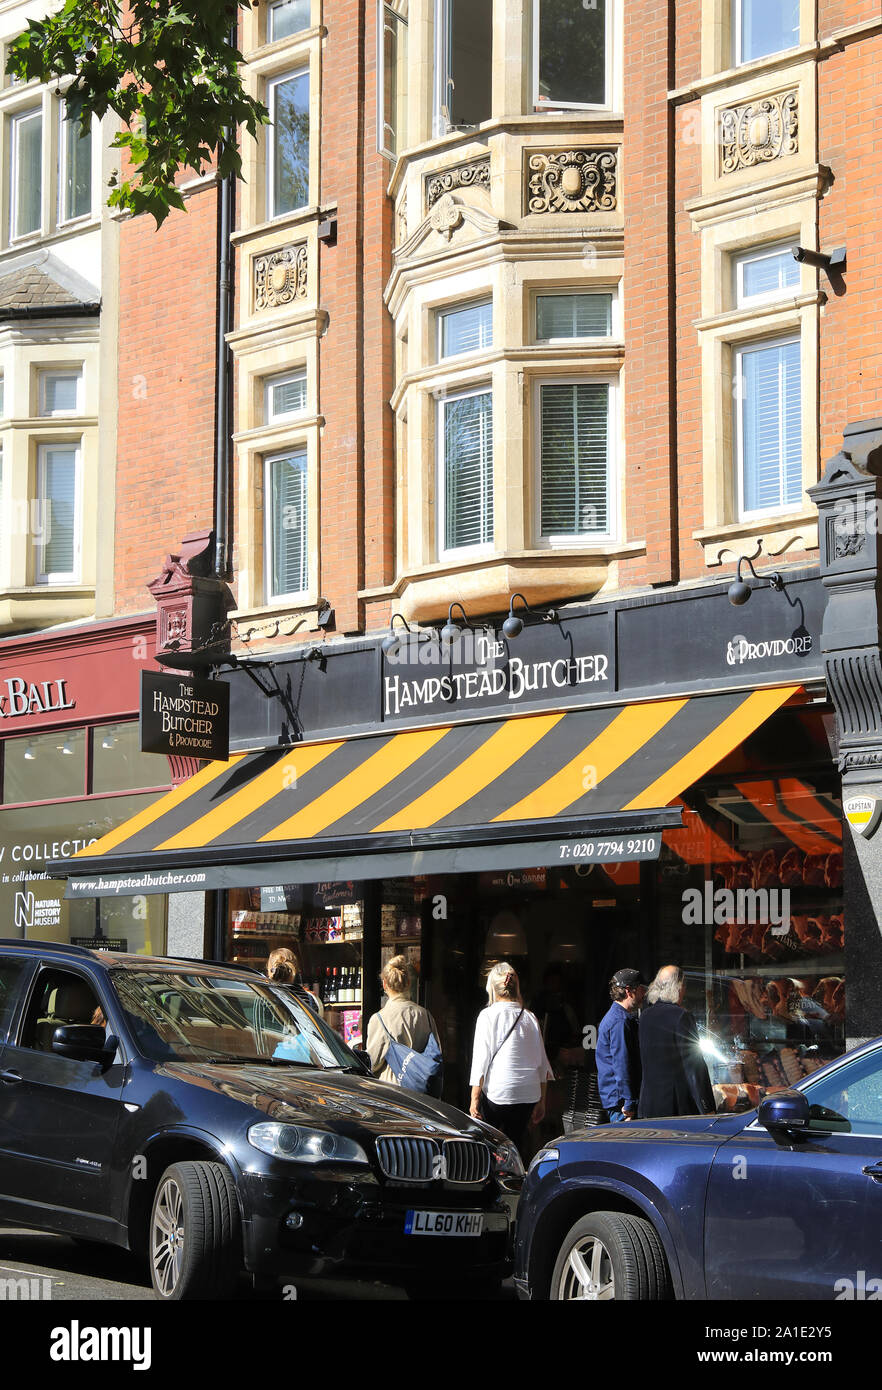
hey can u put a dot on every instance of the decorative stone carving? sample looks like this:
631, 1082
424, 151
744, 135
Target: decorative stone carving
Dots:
758, 131
473, 175
845, 537
572, 180
280, 277
446, 216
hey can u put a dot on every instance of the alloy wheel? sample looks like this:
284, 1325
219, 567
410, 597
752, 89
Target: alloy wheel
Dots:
167, 1237
588, 1272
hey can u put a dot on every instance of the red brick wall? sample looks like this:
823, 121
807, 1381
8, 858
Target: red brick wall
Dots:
688, 309
647, 180
165, 449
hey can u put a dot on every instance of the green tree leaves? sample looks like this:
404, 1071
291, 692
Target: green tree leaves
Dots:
167, 69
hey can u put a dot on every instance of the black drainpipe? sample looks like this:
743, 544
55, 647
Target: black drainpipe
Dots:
223, 444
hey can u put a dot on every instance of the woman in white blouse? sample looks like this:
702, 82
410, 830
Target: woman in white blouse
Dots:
509, 1066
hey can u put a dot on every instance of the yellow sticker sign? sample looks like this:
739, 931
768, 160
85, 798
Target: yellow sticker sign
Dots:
863, 813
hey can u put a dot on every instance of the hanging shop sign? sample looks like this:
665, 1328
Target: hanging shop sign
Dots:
863, 813
182, 716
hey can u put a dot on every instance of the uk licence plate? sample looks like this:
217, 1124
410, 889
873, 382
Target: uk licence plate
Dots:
444, 1223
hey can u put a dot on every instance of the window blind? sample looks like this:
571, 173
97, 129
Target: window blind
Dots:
574, 483
771, 426
466, 330
289, 560
58, 511
289, 396
468, 471
59, 393
766, 274
573, 316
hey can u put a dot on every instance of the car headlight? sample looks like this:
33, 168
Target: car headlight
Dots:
548, 1155
304, 1145
506, 1159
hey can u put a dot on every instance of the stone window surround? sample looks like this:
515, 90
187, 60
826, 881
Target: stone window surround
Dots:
19, 100
718, 36
724, 328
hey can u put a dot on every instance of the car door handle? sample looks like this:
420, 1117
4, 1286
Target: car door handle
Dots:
874, 1171
10, 1076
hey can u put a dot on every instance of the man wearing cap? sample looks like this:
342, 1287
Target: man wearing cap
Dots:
618, 1047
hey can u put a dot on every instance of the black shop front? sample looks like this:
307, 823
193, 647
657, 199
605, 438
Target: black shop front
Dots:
632, 782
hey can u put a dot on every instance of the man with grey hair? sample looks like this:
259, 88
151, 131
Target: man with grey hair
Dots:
675, 1076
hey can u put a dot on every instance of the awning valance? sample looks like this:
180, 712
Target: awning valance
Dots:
495, 793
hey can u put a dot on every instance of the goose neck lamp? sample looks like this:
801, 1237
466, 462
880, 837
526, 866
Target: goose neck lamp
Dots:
514, 625
739, 589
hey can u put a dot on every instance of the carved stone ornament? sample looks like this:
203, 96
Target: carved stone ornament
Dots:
572, 180
473, 175
758, 131
446, 216
845, 538
280, 277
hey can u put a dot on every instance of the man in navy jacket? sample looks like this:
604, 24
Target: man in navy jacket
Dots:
618, 1047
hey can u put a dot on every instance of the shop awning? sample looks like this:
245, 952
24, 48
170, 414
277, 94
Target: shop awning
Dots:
493, 794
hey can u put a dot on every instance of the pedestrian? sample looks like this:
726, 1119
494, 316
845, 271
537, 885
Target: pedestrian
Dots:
618, 1047
283, 968
402, 1028
510, 1069
675, 1076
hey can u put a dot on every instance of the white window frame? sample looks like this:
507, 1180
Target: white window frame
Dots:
42, 576
758, 253
737, 28
572, 540
781, 508
276, 4
445, 398
441, 16
298, 595
43, 375
16, 120
612, 47
67, 128
271, 85
272, 416
458, 307
383, 147
569, 292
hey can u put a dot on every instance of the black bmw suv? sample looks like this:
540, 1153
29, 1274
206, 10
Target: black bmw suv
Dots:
199, 1115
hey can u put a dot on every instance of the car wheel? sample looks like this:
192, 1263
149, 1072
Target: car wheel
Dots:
608, 1255
194, 1233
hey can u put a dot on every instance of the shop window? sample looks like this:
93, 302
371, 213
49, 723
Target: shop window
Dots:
463, 63
59, 393
465, 329
465, 465
762, 27
572, 47
26, 173
56, 542
286, 525
562, 317
286, 18
768, 426
575, 442
43, 767
392, 79
284, 396
118, 765
288, 143
764, 275
75, 166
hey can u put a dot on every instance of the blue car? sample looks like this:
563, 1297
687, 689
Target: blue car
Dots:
780, 1202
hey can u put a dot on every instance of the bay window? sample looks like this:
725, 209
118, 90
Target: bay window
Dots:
288, 143
463, 63
572, 53
392, 78
26, 173
56, 534
575, 439
465, 468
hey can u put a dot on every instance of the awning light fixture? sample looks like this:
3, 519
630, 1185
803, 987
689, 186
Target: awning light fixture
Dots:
450, 631
739, 589
392, 640
514, 626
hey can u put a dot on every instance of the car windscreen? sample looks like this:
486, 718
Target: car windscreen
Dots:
185, 1017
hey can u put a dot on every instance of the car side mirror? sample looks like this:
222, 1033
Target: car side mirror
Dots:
84, 1043
789, 1114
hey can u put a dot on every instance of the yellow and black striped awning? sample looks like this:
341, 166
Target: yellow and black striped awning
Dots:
325, 809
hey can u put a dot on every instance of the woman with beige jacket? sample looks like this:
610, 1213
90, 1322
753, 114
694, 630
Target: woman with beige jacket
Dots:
405, 1022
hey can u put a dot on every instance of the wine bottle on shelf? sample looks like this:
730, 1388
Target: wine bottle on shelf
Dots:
347, 986
332, 993
341, 987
